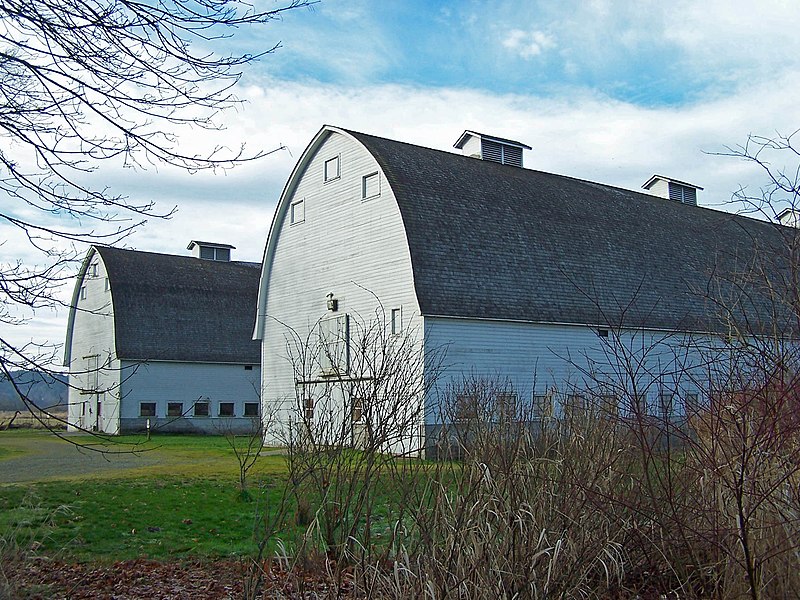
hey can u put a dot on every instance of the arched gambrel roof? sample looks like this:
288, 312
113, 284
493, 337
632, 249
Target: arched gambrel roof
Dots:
492, 241
177, 308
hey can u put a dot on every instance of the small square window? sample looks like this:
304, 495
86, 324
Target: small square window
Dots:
358, 410
248, 367
201, 409
397, 321
298, 211
692, 403
226, 409
665, 405
147, 409
174, 409
371, 185
603, 333
251, 409
332, 168
543, 405
83, 292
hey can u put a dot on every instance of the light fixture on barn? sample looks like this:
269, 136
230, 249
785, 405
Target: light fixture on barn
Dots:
333, 303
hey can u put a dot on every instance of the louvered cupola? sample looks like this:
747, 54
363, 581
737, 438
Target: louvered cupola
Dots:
666, 187
488, 147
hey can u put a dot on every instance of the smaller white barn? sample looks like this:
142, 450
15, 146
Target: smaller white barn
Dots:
163, 339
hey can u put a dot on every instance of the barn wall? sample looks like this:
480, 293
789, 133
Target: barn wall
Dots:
565, 359
187, 383
94, 370
352, 247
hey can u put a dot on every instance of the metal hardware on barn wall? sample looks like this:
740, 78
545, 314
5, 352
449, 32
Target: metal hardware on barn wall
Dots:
333, 303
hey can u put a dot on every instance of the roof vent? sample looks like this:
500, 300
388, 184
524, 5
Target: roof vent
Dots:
489, 147
210, 250
789, 217
666, 187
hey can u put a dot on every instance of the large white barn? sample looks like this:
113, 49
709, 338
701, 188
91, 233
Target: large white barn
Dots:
163, 339
544, 282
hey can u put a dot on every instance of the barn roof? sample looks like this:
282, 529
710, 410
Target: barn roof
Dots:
181, 308
500, 242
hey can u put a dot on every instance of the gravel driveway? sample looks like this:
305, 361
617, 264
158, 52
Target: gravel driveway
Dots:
45, 457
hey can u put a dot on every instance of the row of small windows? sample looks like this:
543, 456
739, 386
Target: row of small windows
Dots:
544, 406
199, 409
370, 188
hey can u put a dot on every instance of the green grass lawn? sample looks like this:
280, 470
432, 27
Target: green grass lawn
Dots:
186, 505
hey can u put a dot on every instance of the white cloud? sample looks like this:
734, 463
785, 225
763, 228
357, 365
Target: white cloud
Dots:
573, 132
528, 44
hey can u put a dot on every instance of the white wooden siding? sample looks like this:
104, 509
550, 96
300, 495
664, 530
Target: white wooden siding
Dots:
165, 382
537, 358
349, 246
93, 336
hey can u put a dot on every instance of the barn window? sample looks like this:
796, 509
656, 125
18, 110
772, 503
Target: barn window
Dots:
665, 405
334, 355
174, 409
298, 211
93, 270
357, 414
397, 321
543, 405
371, 185
201, 409
609, 404
83, 292
332, 168
251, 409
308, 408
147, 409
248, 367
108, 285
226, 409
691, 403
214, 253
506, 405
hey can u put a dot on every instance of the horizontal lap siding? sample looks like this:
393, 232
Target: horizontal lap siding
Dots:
535, 358
352, 247
163, 382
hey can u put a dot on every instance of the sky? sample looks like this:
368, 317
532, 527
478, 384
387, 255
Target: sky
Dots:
603, 90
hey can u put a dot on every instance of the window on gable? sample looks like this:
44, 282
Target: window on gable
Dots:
201, 409
83, 292
371, 185
226, 409
251, 409
334, 355
174, 409
397, 321
357, 413
332, 169
108, 285
298, 211
147, 409
93, 270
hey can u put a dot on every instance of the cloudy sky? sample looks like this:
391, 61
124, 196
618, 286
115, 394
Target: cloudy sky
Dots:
610, 91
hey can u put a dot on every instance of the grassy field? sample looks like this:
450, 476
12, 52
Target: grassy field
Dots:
184, 502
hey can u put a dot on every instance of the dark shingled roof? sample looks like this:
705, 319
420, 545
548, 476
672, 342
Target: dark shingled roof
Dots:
181, 308
495, 241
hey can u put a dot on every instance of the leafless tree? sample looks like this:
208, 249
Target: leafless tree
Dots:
85, 83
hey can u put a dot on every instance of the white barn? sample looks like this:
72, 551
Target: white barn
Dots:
511, 274
165, 339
